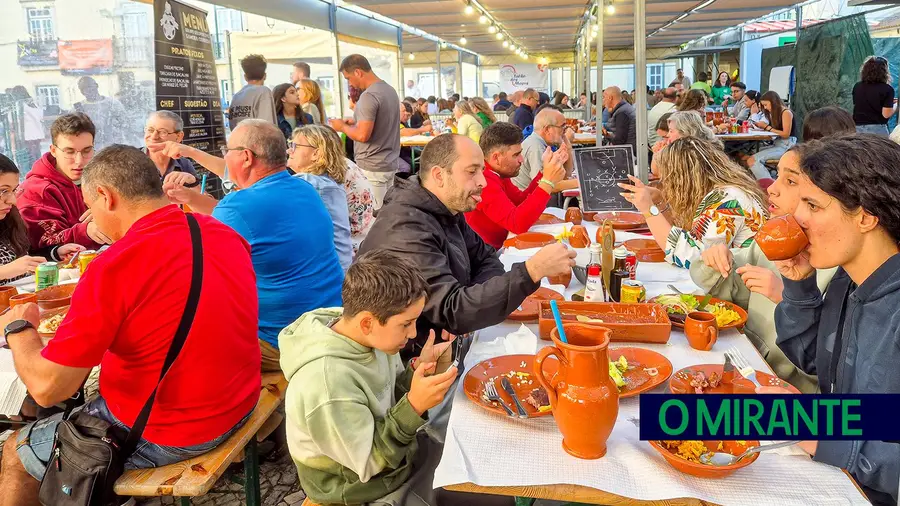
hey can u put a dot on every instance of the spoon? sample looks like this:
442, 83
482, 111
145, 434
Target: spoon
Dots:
727, 459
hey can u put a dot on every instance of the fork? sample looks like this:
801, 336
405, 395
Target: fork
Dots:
742, 365
492, 395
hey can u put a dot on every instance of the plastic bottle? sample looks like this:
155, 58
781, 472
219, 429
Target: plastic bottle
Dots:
593, 288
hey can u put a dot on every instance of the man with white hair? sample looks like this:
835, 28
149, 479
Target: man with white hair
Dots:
290, 232
549, 130
165, 126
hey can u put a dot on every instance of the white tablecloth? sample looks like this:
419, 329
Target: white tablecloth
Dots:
492, 450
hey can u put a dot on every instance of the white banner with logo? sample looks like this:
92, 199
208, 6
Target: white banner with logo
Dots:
522, 75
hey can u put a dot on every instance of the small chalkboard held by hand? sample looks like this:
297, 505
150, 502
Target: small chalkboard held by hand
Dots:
600, 170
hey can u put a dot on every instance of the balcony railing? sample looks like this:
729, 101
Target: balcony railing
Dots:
133, 51
37, 52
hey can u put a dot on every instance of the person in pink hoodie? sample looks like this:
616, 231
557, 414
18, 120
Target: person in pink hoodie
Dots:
50, 199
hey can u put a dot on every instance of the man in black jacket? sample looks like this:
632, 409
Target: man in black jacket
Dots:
622, 127
423, 221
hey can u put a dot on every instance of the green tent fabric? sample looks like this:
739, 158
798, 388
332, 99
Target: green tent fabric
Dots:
890, 48
772, 57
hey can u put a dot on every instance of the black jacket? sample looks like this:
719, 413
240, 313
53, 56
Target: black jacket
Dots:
622, 125
524, 117
502, 105
468, 287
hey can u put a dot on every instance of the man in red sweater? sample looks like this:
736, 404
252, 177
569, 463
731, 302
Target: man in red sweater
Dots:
503, 207
50, 199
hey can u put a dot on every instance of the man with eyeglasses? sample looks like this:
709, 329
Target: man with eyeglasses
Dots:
290, 232
549, 130
50, 199
165, 126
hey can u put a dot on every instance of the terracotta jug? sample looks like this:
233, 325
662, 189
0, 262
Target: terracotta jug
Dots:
701, 330
573, 215
585, 401
580, 237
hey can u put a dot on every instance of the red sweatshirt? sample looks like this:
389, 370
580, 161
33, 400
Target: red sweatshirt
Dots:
504, 208
51, 204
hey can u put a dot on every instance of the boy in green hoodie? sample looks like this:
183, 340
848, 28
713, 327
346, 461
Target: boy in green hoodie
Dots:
353, 411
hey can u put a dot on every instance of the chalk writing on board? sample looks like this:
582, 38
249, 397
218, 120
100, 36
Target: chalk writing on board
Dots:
599, 172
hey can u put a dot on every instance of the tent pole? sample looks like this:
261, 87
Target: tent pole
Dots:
439, 92
600, 35
640, 74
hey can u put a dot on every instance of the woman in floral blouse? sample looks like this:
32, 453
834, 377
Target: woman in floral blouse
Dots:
704, 199
361, 204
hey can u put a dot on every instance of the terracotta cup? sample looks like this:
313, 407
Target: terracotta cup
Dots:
22, 298
584, 399
563, 279
7, 292
701, 330
781, 238
580, 237
573, 215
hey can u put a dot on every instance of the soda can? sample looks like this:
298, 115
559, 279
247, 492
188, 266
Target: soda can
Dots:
85, 258
631, 265
46, 275
632, 292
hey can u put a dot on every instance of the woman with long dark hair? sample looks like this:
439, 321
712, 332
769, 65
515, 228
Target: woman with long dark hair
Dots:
780, 121
721, 88
694, 100
873, 97
288, 112
15, 261
848, 210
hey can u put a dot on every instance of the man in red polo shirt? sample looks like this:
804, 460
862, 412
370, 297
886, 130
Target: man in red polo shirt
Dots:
503, 207
124, 315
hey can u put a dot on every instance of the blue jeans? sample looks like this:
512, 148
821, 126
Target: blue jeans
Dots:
35, 441
873, 129
775, 151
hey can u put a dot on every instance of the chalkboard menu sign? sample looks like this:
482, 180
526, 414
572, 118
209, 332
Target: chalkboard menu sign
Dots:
600, 169
186, 81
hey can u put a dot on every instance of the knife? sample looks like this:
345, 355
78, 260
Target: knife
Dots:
705, 300
508, 388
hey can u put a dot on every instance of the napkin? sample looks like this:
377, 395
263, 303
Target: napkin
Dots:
520, 342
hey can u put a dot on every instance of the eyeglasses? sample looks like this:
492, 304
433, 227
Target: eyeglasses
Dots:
226, 149
161, 131
880, 59
71, 154
7, 193
293, 145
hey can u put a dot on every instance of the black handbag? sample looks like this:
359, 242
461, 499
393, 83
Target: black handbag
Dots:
89, 454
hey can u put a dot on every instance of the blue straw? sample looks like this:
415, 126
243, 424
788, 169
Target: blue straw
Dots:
203, 184
558, 318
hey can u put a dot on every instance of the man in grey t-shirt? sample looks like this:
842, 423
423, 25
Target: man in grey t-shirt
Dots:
375, 128
254, 100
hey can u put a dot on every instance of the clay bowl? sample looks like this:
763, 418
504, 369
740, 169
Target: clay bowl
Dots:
781, 238
589, 215
531, 306
529, 240
573, 215
622, 220
55, 296
7, 292
580, 237
22, 298
646, 250
47, 336
548, 219
705, 470
564, 279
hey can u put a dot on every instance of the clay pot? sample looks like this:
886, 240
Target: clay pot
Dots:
563, 279
701, 330
573, 215
585, 400
529, 240
55, 296
47, 336
548, 219
6, 292
589, 215
781, 238
22, 298
707, 471
580, 237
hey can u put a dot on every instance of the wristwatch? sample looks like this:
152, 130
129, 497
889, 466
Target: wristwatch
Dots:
14, 327
654, 211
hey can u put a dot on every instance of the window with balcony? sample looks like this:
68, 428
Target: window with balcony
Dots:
40, 24
135, 47
48, 98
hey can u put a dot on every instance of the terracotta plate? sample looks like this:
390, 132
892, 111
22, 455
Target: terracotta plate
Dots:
531, 307
529, 240
637, 379
681, 381
548, 219
494, 369
646, 250
622, 220
706, 470
679, 323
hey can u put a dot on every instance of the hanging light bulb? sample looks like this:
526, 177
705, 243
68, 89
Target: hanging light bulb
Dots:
469, 10
514, 49
492, 29
443, 45
505, 43
412, 57
483, 19
499, 36
462, 41
610, 9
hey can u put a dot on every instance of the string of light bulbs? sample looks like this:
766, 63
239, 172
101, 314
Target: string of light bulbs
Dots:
494, 27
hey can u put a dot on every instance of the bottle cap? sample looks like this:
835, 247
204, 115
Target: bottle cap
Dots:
620, 252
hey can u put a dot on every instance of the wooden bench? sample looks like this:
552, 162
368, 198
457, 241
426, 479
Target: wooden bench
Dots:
196, 477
